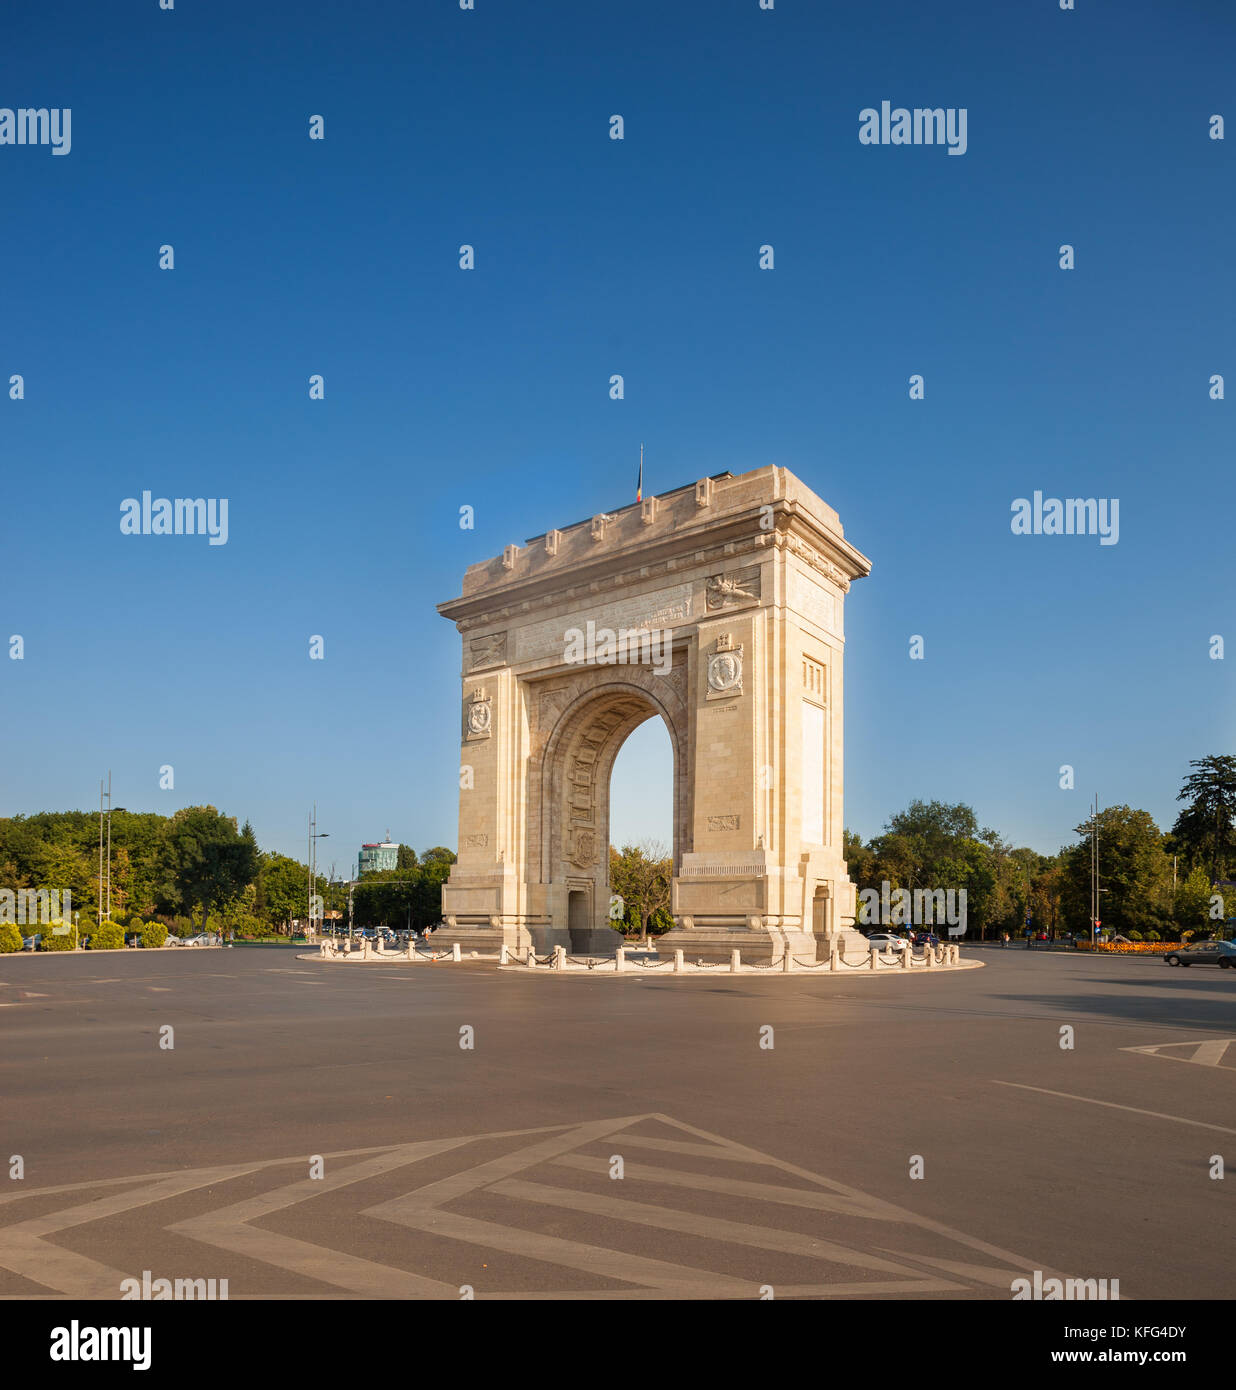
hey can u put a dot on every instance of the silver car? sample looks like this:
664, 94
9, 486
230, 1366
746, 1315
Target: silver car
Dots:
1221, 953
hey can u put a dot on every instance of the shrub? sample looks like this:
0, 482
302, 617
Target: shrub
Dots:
1135, 935
108, 936
153, 933
52, 942
10, 938
1152, 936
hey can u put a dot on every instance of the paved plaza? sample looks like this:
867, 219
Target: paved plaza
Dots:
746, 1168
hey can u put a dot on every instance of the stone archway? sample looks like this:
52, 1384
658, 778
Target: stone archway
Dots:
586, 723
717, 608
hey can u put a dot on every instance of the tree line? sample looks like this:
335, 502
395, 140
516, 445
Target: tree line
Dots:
1154, 884
199, 870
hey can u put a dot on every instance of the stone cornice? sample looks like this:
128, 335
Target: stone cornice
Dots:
713, 539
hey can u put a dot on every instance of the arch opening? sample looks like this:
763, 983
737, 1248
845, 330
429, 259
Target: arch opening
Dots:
576, 806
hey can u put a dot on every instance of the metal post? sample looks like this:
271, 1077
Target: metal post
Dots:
109, 844
98, 908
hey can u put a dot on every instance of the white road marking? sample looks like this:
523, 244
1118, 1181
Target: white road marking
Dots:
36, 1250
1111, 1105
229, 1229
1205, 1054
24, 1251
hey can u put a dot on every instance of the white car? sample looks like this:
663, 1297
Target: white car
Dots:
886, 941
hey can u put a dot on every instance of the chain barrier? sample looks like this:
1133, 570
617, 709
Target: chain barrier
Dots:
651, 964
852, 965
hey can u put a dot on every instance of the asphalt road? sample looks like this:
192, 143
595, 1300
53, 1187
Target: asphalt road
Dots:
742, 1166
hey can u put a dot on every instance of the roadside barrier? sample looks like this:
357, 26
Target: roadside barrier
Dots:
944, 956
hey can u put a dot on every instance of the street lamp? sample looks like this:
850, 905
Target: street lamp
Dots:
314, 837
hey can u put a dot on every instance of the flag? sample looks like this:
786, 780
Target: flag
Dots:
639, 486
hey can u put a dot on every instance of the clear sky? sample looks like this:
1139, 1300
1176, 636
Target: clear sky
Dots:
490, 388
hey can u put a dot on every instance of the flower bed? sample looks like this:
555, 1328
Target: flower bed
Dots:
1130, 948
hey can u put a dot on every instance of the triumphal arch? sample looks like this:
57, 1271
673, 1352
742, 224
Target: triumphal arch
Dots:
717, 608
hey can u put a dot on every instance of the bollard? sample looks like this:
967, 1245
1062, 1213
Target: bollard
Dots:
787, 961
620, 959
456, 953
410, 949
735, 962
502, 954
834, 956
531, 961
931, 957
559, 957
874, 957
677, 962
905, 959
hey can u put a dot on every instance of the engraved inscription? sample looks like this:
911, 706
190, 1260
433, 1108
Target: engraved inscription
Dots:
814, 602
664, 608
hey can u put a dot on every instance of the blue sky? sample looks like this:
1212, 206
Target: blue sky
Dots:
490, 388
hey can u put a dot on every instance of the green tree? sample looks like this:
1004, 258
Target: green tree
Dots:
1191, 904
1205, 831
282, 889
641, 875
1135, 872
207, 861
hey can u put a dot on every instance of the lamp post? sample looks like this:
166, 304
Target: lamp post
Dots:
314, 837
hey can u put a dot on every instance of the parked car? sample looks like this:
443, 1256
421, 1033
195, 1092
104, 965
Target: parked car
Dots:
32, 943
1221, 953
926, 938
886, 941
